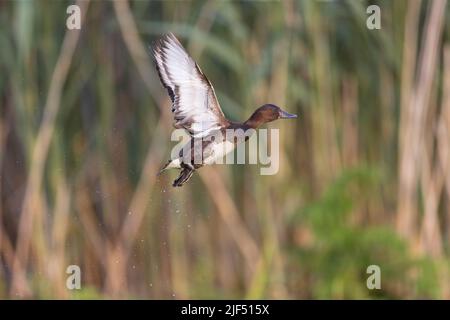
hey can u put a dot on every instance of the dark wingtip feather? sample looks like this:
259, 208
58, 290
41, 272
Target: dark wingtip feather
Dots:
157, 48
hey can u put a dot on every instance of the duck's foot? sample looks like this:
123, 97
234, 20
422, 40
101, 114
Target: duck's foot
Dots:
184, 176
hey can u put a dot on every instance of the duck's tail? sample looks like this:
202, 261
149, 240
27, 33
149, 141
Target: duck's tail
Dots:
169, 165
164, 168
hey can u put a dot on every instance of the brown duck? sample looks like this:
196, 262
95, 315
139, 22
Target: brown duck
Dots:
195, 108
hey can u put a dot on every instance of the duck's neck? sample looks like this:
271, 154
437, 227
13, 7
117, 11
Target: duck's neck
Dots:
255, 120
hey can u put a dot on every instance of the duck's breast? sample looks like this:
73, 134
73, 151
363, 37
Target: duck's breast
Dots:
219, 150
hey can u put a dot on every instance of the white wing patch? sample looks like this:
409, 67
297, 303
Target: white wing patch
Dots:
194, 103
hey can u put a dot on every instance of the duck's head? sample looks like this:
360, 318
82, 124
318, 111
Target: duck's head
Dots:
267, 113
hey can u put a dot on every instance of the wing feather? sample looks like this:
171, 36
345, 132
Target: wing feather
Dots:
194, 102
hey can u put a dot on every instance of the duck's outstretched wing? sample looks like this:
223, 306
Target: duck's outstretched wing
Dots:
194, 103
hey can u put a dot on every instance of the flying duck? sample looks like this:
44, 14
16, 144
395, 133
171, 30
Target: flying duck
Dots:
195, 108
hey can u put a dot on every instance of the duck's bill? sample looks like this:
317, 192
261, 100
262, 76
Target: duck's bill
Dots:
287, 115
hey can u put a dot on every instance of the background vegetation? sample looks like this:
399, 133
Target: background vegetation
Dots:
364, 176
